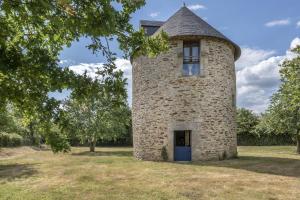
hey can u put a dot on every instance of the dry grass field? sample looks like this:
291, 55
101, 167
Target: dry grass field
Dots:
112, 173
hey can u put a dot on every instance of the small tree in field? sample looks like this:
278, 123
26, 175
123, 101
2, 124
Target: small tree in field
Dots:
283, 115
101, 113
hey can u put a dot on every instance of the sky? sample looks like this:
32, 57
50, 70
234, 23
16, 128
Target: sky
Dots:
264, 29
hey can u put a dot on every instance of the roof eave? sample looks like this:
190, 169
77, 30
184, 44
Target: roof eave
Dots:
237, 49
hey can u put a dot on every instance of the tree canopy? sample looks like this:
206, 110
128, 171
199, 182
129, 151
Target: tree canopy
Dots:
283, 115
101, 113
33, 33
246, 122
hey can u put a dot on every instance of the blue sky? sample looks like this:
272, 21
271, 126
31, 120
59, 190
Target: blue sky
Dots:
265, 30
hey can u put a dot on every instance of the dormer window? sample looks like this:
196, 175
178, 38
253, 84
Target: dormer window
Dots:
150, 27
191, 58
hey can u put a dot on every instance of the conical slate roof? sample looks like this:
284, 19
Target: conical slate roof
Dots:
186, 23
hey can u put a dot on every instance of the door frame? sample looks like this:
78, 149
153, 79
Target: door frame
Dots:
174, 142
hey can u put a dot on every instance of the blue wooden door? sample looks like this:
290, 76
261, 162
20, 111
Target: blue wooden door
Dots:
182, 147
182, 153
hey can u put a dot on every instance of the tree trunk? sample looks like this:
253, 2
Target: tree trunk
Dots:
31, 132
298, 143
92, 145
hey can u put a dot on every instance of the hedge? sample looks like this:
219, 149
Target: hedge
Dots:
265, 140
10, 139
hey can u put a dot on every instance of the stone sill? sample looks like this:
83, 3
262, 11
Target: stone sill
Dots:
192, 76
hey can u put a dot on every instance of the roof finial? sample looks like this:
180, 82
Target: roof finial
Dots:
183, 4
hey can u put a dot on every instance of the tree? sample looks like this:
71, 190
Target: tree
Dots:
101, 113
10, 120
7, 121
33, 33
246, 122
283, 114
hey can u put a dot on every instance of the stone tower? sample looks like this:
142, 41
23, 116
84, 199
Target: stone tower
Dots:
184, 99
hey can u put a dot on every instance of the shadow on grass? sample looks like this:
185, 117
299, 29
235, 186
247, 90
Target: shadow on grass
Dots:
267, 165
9, 172
104, 153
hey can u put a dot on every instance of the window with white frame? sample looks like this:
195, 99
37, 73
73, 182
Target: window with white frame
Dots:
191, 58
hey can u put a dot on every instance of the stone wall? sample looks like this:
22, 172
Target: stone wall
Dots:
164, 100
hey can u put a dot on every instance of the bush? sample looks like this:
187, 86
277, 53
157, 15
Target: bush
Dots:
58, 142
247, 121
10, 139
164, 153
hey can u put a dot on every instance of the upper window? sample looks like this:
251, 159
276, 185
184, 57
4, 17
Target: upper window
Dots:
191, 58
150, 30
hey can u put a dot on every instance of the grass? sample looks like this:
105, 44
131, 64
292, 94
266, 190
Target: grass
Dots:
112, 173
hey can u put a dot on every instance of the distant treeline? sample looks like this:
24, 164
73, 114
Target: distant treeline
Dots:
124, 140
13, 132
252, 130
265, 140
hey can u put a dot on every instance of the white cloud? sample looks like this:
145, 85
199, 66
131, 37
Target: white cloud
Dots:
258, 76
251, 57
63, 61
126, 67
154, 14
92, 68
257, 82
196, 7
298, 24
89, 68
295, 43
281, 22
66, 62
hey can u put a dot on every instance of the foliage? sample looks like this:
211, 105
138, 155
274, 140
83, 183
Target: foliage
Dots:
10, 120
92, 121
283, 115
101, 113
164, 153
246, 122
33, 133
6, 121
125, 137
252, 130
33, 33
58, 141
10, 139
32, 37
140, 45
265, 139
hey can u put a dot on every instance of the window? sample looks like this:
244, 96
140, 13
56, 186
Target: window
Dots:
150, 30
191, 58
